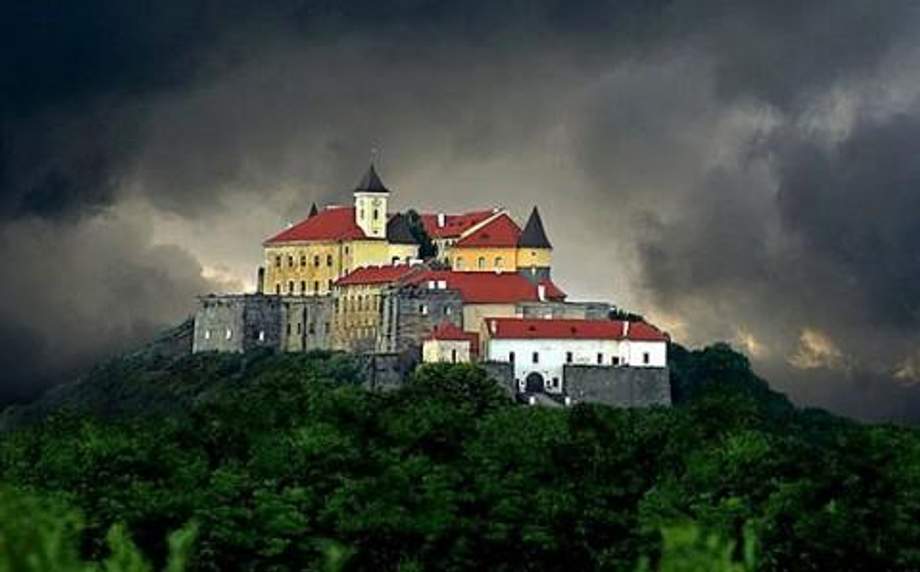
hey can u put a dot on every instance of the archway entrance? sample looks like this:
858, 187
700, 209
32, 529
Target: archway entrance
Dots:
533, 383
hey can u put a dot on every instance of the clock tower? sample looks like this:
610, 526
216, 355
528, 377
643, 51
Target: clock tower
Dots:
371, 198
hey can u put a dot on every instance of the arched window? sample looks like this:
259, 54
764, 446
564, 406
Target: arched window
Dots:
291, 287
303, 286
498, 261
482, 262
328, 260
459, 263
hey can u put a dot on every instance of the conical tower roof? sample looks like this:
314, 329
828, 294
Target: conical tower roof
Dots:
371, 182
533, 235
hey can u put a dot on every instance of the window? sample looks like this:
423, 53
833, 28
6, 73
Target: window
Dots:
289, 328
290, 287
395, 261
328, 260
568, 357
423, 309
482, 262
299, 328
278, 288
615, 360
555, 384
346, 250
600, 359
316, 260
535, 358
459, 263
646, 358
229, 333
326, 327
207, 334
303, 286
453, 356
290, 261
498, 261
376, 214
316, 286
447, 310
261, 335
312, 328
303, 260
330, 284
511, 357
278, 261
360, 303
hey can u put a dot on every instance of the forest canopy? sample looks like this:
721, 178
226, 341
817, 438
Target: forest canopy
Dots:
283, 462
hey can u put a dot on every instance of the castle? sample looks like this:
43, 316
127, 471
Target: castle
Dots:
352, 278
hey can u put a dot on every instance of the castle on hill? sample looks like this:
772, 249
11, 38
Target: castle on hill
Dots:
352, 278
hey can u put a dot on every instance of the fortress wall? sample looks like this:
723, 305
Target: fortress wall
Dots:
503, 374
618, 386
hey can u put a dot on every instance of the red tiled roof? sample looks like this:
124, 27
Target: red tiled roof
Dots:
454, 225
526, 328
488, 287
377, 274
448, 331
553, 292
501, 232
331, 223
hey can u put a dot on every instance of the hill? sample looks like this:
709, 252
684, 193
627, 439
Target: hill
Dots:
285, 462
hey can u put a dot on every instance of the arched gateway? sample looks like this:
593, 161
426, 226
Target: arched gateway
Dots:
533, 383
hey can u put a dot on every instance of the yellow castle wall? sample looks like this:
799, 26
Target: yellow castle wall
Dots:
302, 268
483, 259
357, 317
538, 257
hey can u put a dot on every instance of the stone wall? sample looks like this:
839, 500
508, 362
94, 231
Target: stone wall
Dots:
618, 386
237, 323
565, 310
384, 372
410, 313
307, 323
503, 374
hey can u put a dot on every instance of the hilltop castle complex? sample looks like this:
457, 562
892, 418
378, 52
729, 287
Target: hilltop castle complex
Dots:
353, 278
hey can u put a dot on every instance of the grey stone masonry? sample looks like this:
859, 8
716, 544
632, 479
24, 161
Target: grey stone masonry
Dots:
618, 386
503, 374
307, 323
237, 323
410, 313
565, 310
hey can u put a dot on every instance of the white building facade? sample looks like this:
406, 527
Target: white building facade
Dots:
540, 349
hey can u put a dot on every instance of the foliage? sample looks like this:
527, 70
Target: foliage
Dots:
41, 533
427, 248
286, 463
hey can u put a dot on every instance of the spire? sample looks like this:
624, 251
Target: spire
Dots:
313, 211
371, 182
533, 235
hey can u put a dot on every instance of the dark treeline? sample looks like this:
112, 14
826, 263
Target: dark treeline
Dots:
293, 466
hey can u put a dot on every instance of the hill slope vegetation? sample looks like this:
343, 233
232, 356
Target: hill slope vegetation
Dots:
283, 462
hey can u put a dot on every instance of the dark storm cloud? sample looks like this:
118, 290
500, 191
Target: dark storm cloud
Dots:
679, 126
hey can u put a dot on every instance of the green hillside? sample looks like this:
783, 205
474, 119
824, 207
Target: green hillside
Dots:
283, 462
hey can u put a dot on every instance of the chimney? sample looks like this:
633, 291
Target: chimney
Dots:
442, 220
260, 281
541, 292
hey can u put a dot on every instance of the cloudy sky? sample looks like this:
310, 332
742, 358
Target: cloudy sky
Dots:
746, 171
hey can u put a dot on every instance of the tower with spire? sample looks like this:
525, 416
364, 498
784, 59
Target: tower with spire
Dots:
371, 197
534, 256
